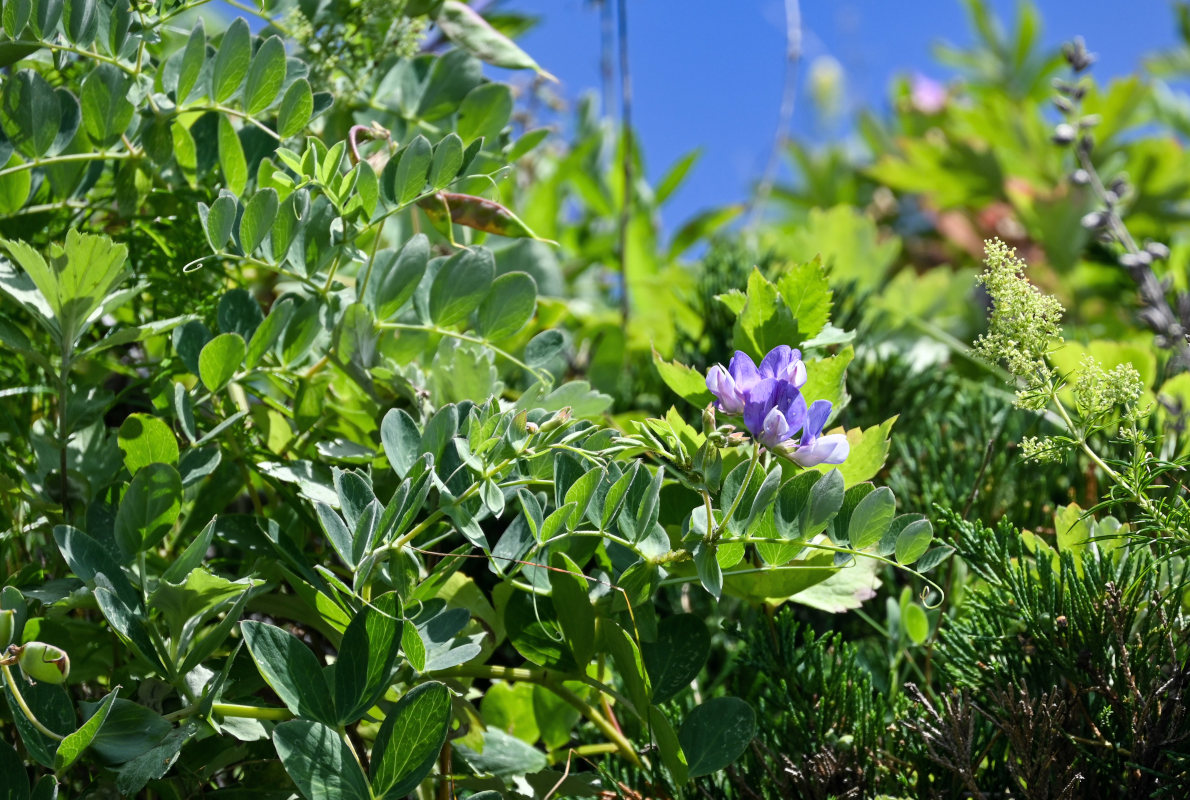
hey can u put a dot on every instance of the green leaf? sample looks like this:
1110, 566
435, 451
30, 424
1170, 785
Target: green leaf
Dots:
710, 573
580, 493
576, 615
16, 16
265, 76
70, 748
218, 220
716, 733
105, 107
484, 112
544, 348
396, 276
467, 29
677, 656
82, 21
192, 556
220, 359
409, 740
687, 383
914, 541
231, 61
148, 509
14, 781
297, 106
319, 761
871, 518
806, 290
32, 112
46, 15
291, 670
409, 179
869, 450
413, 647
826, 498
448, 159
52, 707
765, 322
257, 222
154, 762
15, 186
401, 439
145, 440
231, 157
915, 623
533, 629
508, 307
460, 285
367, 657
193, 57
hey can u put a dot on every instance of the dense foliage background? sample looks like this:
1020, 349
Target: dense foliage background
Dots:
358, 440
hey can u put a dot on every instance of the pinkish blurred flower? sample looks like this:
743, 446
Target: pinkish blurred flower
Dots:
926, 94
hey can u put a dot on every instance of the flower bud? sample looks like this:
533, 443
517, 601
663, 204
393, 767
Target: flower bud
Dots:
1093, 220
44, 662
1064, 133
557, 420
1080, 177
1157, 250
708, 418
8, 621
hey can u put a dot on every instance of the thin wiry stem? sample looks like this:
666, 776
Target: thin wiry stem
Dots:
793, 58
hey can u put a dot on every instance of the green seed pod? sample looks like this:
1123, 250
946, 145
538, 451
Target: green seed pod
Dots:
44, 662
8, 621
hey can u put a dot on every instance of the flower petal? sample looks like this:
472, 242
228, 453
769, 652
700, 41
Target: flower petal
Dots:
777, 362
743, 370
831, 449
776, 429
723, 386
815, 418
759, 400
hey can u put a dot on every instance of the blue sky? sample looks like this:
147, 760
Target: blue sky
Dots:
707, 77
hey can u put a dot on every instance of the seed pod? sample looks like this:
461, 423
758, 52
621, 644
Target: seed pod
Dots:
8, 621
44, 662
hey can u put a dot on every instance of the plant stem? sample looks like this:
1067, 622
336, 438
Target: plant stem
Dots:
544, 679
735, 504
16, 695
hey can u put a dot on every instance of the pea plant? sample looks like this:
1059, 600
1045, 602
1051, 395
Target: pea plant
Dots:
300, 491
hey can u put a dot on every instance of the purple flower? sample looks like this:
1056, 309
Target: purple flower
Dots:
774, 410
783, 363
927, 95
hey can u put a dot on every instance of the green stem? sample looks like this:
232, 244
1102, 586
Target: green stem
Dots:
542, 678
16, 695
713, 533
64, 159
235, 710
540, 375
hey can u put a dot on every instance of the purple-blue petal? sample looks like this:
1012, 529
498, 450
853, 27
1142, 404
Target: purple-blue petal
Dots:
815, 418
743, 370
776, 429
831, 449
759, 400
777, 362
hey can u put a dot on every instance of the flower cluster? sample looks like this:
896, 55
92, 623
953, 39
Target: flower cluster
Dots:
775, 413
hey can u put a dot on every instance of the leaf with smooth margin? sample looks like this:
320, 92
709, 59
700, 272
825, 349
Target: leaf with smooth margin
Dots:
146, 439
319, 761
231, 61
914, 541
484, 112
220, 359
367, 656
265, 76
231, 157
871, 518
297, 106
396, 275
409, 740
148, 509
291, 670
105, 108
716, 733
448, 159
401, 439
461, 285
677, 656
193, 57
257, 222
70, 748
508, 307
